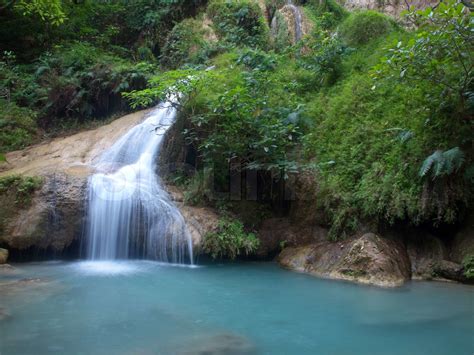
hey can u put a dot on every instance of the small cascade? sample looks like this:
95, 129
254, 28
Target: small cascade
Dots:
298, 19
130, 215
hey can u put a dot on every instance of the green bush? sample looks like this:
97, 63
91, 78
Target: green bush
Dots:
468, 264
80, 81
327, 14
239, 22
184, 44
230, 240
17, 126
363, 26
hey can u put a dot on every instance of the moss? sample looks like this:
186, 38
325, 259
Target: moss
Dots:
354, 273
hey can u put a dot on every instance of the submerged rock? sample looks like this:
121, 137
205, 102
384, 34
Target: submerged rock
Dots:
3, 256
368, 259
219, 344
4, 314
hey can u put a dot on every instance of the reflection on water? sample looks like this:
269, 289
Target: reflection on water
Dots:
143, 307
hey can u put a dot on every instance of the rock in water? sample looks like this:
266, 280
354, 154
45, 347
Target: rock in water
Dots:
3, 255
368, 259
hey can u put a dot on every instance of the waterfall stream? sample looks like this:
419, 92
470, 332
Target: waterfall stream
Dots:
298, 20
129, 214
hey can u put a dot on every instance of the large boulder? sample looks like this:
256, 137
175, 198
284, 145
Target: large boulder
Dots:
54, 217
368, 259
199, 220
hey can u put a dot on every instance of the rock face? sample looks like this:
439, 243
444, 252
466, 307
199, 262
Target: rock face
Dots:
425, 252
463, 243
3, 255
276, 233
199, 220
389, 7
368, 259
53, 220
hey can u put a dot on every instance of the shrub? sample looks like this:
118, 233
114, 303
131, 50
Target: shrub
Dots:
323, 55
184, 44
239, 22
17, 126
363, 26
81, 81
468, 264
328, 13
230, 240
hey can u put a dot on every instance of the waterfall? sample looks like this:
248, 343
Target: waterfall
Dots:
298, 20
130, 215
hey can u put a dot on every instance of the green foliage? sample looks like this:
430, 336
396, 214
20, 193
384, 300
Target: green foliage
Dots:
239, 22
197, 189
363, 26
76, 81
468, 265
440, 53
235, 113
443, 163
184, 44
173, 84
230, 240
323, 55
359, 153
47, 10
327, 14
280, 34
17, 126
22, 187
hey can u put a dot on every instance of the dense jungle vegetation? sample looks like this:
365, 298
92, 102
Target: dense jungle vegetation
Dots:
377, 111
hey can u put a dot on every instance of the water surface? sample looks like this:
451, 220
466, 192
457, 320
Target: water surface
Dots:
141, 307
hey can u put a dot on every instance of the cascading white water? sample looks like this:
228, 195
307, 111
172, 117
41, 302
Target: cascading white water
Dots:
298, 20
130, 215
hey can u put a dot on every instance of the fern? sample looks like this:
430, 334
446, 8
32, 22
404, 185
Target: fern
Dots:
443, 163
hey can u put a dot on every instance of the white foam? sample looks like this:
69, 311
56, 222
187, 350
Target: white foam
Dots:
107, 268
112, 267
